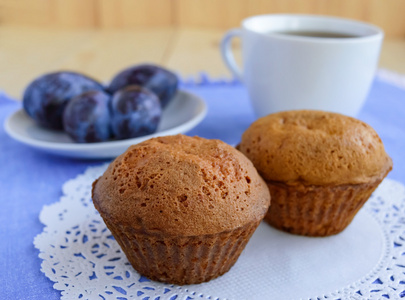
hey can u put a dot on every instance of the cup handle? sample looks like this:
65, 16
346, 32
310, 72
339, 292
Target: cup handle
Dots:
227, 54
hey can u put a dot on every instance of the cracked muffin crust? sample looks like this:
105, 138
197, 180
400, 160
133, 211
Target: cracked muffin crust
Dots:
320, 167
182, 208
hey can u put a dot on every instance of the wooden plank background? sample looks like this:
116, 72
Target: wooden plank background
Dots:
218, 14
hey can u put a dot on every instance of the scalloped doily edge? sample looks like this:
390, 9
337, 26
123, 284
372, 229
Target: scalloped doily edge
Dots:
348, 291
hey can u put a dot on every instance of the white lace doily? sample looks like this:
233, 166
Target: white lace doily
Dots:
366, 261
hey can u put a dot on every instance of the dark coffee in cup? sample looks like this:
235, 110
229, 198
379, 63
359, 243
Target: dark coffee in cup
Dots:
317, 34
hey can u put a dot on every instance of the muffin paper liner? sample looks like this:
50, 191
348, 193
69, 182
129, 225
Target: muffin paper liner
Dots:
182, 260
316, 210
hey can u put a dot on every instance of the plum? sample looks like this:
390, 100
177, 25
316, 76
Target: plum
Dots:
86, 118
45, 98
159, 80
135, 111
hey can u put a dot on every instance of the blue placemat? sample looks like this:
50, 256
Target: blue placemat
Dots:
30, 178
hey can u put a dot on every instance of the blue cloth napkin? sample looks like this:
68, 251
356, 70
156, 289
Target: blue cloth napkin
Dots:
30, 178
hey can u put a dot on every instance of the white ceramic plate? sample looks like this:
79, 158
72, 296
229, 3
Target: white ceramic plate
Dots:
183, 113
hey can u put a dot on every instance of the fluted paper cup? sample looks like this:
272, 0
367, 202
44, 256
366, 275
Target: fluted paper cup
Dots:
182, 259
316, 210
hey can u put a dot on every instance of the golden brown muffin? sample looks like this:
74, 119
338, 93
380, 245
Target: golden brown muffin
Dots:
320, 167
181, 208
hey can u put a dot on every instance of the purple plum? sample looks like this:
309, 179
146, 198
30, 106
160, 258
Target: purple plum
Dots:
45, 98
159, 80
135, 112
86, 118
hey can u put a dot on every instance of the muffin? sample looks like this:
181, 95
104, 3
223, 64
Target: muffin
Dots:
181, 208
320, 168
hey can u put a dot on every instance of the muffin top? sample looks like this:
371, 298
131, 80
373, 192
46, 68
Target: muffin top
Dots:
182, 186
315, 148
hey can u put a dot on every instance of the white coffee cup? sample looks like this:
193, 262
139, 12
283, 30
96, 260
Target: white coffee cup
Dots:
283, 70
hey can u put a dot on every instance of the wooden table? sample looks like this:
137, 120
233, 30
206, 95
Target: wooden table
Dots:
26, 52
